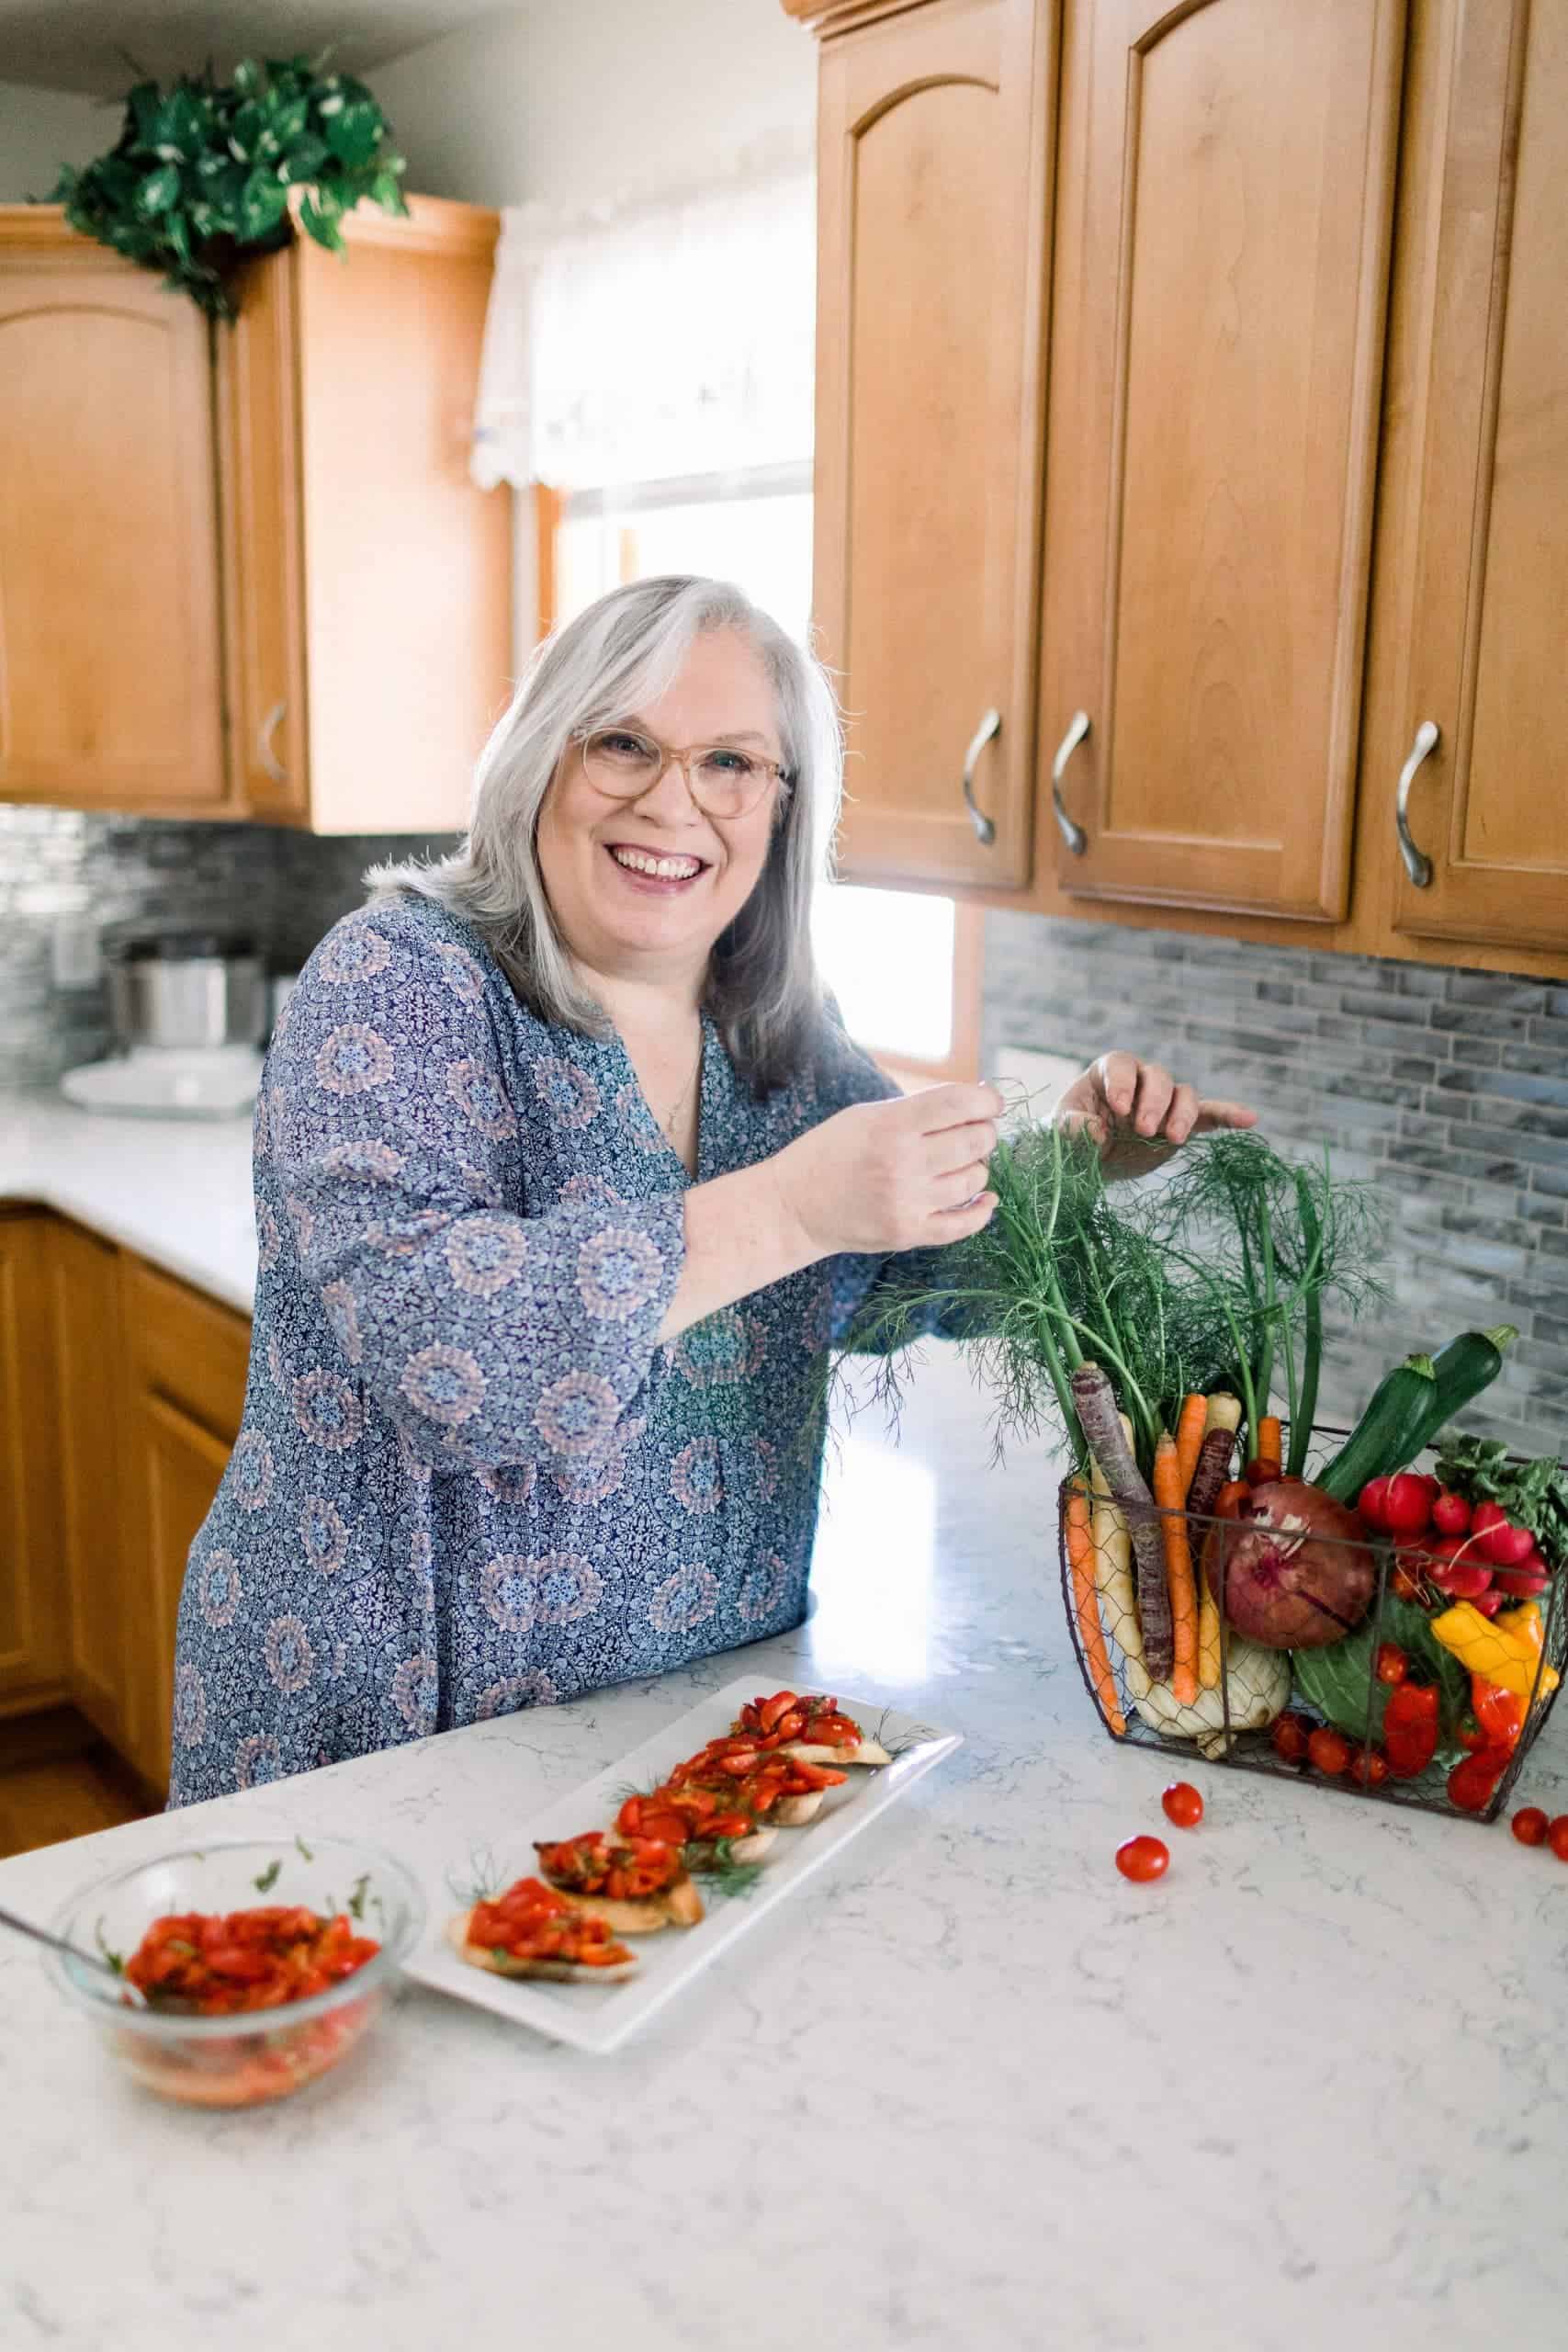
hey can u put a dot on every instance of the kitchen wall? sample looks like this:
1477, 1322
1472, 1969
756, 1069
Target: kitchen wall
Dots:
40, 130
1446, 1090
284, 888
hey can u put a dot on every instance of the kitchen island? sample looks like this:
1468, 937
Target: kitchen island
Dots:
968, 2088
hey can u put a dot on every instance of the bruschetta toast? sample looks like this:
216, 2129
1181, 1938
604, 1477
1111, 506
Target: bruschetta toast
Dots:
781, 1790
532, 1930
635, 1884
714, 1831
812, 1728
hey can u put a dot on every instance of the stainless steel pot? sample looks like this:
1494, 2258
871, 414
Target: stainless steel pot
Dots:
184, 987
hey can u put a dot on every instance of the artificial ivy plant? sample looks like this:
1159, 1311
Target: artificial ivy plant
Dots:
199, 177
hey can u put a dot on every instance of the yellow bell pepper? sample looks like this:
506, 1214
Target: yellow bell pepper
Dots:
1505, 1650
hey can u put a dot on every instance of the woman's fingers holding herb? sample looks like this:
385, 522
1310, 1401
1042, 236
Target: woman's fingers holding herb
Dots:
1138, 1113
894, 1175
1214, 1115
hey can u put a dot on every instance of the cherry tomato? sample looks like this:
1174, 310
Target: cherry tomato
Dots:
1142, 1858
1368, 1768
1393, 1666
1290, 1735
1405, 1578
1473, 1784
1406, 1506
1557, 1837
1328, 1751
1183, 1804
1530, 1825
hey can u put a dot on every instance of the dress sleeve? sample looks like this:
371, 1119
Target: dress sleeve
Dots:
491, 1337
846, 1074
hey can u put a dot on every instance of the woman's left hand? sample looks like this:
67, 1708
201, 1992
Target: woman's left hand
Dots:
1139, 1115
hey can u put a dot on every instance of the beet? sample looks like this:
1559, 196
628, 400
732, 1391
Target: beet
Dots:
1293, 1570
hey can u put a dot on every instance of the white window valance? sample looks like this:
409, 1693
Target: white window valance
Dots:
653, 338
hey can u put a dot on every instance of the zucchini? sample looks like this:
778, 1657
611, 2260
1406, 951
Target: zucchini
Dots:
1412, 1404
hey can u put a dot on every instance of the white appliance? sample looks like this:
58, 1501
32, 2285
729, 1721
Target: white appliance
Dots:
188, 1007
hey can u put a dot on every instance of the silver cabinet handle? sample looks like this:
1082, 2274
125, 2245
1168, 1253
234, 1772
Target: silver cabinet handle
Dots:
1074, 835
1417, 864
989, 727
265, 751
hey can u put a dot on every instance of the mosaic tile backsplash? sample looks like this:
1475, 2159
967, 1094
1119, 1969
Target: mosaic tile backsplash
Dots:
1448, 1088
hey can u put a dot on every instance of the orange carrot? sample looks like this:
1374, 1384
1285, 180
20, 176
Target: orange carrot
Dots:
1268, 1435
1171, 1498
1190, 1438
1234, 1491
1086, 1606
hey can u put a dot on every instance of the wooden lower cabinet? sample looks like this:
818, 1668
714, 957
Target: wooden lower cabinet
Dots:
120, 1396
33, 1616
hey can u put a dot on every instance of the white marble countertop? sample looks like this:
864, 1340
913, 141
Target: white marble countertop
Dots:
177, 1191
968, 2091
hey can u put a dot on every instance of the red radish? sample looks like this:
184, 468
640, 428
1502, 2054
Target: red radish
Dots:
1292, 1572
1370, 1502
1406, 1506
1502, 1543
1450, 1515
1489, 1602
1461, 1579
1434, 1485
1525, 1583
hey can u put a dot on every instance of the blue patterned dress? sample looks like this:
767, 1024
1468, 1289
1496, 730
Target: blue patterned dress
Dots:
469, 1478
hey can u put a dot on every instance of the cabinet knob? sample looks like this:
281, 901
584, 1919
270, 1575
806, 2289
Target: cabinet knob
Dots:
265, 751
1417, 864
1074, 835
989, 727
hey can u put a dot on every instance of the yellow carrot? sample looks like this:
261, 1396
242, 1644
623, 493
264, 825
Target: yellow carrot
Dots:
1223, 1411
1171, 1498
1113, 1579
1086, 1606
1190, 1431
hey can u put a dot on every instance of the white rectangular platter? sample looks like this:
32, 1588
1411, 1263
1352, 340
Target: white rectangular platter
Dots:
601, 2016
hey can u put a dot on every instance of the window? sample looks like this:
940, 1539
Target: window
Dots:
698, 460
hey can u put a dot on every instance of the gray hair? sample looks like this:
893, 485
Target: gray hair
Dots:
623, 652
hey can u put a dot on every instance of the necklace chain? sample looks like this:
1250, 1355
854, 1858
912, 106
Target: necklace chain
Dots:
678, 1103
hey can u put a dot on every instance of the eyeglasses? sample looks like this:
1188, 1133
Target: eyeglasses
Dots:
724, 780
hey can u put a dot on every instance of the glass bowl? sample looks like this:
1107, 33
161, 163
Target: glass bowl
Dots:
264, 2055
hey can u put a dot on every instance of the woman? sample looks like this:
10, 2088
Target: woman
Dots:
565, 1176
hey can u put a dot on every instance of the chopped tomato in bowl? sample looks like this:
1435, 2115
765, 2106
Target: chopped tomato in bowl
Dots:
262, 1963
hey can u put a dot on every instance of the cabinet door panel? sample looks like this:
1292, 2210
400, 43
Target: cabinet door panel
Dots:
1490, 579
89, 1392
109, 557
932, 210
32, 1612
1228, 176
177, 1467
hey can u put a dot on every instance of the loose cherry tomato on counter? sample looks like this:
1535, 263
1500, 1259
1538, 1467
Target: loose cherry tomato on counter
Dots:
1528, 1825
1289, 1736
1557, 1837
1328, 1751
1393, 1666
1406, 1506
1142, 1858
1473, 1784
1450, 1515
1368, 1768
1183, 1804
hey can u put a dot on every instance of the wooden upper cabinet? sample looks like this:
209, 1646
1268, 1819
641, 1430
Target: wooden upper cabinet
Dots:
933, 212
368, 580
1481, 632
1225, 174
110, 655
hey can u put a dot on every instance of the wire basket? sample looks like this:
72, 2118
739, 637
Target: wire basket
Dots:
1253, 1688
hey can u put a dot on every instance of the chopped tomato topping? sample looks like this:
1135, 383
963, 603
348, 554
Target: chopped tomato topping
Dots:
630, 1868
246, 1960
531, 1921
814, 1720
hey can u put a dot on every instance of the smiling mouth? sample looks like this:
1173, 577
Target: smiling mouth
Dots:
657, 868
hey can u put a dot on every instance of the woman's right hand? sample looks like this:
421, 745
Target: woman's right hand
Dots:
901, 1174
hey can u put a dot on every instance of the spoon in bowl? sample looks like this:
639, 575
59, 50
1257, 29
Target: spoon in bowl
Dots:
128, 1993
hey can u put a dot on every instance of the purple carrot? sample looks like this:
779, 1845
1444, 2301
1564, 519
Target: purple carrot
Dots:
1213, 1468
